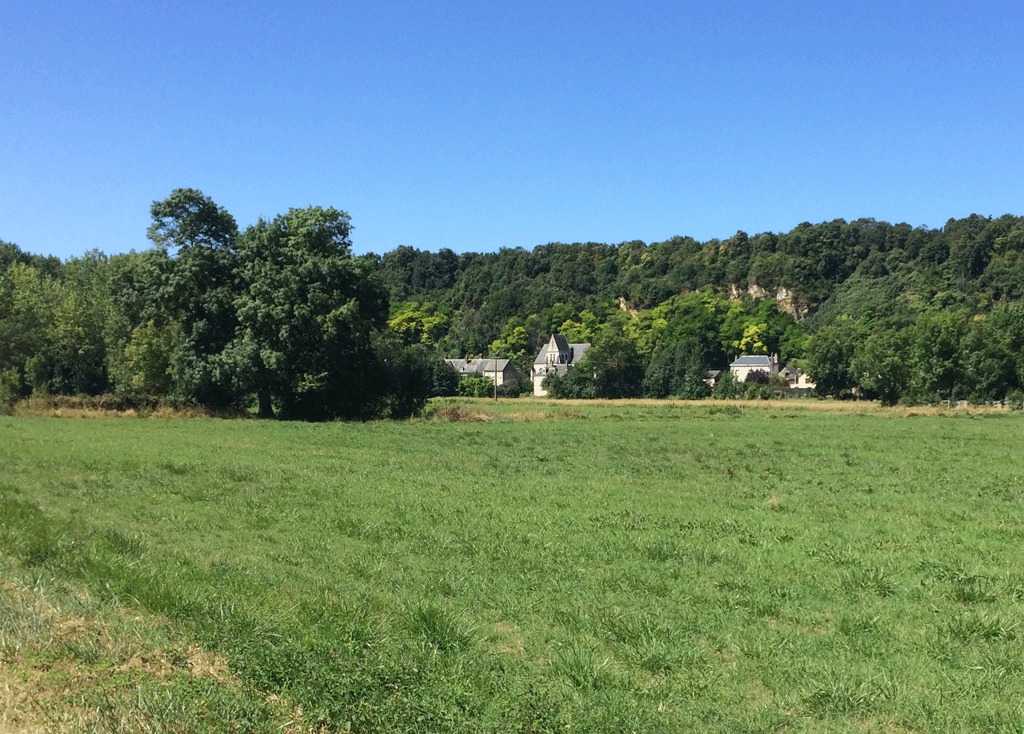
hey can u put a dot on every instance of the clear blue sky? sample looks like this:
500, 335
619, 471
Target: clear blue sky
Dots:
481, 125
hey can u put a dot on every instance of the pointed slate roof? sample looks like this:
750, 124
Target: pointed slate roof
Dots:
563, 352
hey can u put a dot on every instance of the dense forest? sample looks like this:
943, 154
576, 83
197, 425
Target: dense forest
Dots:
283, 317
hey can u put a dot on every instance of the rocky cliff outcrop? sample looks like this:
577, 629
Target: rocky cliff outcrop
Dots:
799, 308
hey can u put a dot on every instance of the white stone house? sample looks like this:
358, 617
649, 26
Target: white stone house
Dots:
557, 356
746, 364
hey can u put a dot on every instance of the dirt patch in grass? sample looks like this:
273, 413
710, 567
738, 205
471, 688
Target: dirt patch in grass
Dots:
460, 414
62, 671
21, 699
509, 641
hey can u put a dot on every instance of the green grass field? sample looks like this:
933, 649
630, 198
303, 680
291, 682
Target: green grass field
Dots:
606, 568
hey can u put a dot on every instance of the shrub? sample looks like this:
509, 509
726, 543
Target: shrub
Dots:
757, 391
515, 389
727, 387
759, 377
476, 386
576, 384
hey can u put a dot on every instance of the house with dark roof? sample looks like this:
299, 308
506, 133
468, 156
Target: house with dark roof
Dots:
748, 363
557, 356
501, 370
712, 378
796, 379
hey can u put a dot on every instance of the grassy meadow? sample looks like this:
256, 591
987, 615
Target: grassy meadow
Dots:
546, 567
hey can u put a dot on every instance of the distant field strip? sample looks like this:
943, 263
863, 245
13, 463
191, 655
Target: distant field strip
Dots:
585, 568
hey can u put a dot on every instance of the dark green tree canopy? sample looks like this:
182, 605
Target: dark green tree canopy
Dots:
307, 310
187, 218
199, 291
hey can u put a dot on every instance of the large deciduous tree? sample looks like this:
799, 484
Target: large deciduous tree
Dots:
934, 356
617, 368
880, 365
679, 371
830, 356
307, 310
201, 237
188, 220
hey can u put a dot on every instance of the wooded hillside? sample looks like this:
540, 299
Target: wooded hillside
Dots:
212, 315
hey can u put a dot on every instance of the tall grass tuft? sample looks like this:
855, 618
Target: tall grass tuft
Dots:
440, 628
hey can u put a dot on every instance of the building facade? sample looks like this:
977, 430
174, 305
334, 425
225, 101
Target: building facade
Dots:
557, 356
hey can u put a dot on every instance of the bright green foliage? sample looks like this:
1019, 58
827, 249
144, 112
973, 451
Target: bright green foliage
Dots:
419, 323
27, 302
557, 314
612, 364
879, 274
582, 328
514, 344
780, 334
77, 333
648, 331
753, 340
732, 327
475, 386
141, 300
52, 329
687, 316
147, 359
611, 368
885, 277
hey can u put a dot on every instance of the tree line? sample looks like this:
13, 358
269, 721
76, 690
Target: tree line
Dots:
283, 317
280, 316
879, 310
